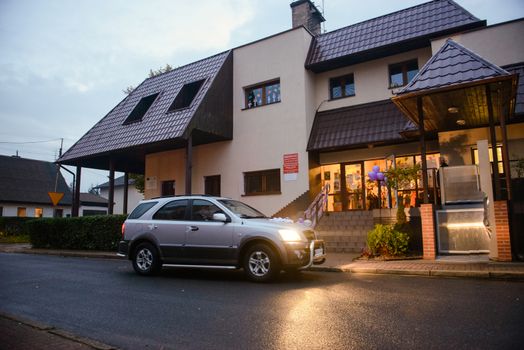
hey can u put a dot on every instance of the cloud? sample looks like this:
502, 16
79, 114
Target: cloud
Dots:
91, 43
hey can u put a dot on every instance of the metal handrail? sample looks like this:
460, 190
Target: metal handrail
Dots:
316, 209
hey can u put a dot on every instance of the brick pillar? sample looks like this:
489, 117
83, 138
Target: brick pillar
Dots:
502, 231
427, 216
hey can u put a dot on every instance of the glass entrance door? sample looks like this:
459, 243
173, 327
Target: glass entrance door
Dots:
354, 186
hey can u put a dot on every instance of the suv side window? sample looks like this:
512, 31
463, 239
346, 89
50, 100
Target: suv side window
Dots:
141, 210
203, 210
174, 210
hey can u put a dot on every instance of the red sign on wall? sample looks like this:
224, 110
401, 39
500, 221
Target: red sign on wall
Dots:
290, 166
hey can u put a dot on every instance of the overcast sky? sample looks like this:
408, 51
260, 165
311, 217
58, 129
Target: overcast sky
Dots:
64, 64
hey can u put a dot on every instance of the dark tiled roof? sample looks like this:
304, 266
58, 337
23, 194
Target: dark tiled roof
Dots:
109, 134
92, 200
371, 123
426, 20
452, 64
119, 182
518, 69
28, 181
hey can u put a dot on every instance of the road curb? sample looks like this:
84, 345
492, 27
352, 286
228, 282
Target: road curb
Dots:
500, 275
41, 327
72, 254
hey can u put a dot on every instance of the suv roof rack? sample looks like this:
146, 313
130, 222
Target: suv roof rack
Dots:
184, 195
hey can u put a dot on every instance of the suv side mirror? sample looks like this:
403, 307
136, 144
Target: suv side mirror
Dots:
220, 217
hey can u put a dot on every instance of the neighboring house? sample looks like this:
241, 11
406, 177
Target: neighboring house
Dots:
92, 204
133, 196
312, 109
24, 187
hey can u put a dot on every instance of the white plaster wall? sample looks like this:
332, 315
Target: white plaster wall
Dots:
48, 211
262, 135
371, 80
132, 200
500, 44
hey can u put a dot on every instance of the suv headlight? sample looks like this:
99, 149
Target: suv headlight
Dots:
290, 235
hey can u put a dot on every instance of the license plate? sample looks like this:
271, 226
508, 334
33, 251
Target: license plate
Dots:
319, 252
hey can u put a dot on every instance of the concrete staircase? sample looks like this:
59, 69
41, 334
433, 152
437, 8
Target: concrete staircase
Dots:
345, 232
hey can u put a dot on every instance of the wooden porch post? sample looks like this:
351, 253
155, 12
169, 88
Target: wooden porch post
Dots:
493, 140
505, 152
111, 200
423, 148
76, 200
189, 163
126, 185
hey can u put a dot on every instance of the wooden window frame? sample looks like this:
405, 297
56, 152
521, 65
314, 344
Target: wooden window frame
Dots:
342, 84
404, 68
263, 86
263, 174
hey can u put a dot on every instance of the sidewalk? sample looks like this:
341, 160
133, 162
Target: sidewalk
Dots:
475, 266
19, 333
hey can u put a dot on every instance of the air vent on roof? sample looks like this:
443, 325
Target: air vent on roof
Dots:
141, 109
186, 95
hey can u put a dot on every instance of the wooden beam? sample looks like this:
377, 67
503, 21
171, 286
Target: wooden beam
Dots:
189, 163
76, 195
422, 132
493, 141
126, 185
111, 199
505, 152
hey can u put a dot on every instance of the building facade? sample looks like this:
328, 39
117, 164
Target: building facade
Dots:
274, 121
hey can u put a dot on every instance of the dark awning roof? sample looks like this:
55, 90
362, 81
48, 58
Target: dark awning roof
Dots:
371, 123
119, 182
457, 77
29, 181
208, 118
399, 31
94, 200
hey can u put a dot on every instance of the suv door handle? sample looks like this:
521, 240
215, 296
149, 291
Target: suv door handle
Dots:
191, 228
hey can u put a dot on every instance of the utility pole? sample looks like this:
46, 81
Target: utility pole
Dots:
61, 146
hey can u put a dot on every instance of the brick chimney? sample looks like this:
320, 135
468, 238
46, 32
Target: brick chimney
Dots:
305, 13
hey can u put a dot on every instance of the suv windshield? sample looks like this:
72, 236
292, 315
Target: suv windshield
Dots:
241, 209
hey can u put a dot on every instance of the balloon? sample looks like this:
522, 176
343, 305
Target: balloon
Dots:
380, 176
376, 168
372, 175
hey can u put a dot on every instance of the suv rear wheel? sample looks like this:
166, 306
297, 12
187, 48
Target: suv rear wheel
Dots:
146, 260
261, 264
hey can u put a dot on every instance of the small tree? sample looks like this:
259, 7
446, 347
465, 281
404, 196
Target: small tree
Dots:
398, 178
139, 182
152, 73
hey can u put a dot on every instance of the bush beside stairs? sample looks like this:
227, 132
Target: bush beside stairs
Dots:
345, 232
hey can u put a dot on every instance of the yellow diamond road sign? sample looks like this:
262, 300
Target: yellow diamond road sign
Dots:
55, 197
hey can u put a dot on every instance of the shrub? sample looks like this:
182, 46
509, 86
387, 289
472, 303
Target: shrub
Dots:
13, 226
88, 233
386, 240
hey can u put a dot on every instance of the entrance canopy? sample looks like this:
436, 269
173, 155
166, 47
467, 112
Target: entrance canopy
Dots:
458, 90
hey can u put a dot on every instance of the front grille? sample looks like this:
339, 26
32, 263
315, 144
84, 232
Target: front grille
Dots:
310, 235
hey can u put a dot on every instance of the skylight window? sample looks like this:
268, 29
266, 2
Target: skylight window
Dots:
141, 109
186, 95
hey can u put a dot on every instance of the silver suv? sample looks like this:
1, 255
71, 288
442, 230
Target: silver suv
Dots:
215, 232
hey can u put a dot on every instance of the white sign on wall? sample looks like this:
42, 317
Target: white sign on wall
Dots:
151, 183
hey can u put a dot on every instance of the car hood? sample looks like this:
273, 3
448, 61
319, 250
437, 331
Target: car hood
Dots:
276, 224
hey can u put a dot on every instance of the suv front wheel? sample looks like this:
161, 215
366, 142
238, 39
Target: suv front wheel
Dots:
146, 260
261, 264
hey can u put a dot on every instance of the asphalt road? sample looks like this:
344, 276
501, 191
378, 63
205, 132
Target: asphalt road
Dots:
193, 309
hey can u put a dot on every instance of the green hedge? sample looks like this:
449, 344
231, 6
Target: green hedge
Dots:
13, 225
86, 233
